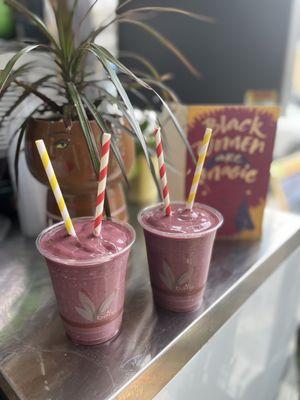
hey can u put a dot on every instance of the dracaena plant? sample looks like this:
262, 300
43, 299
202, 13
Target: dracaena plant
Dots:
70, 81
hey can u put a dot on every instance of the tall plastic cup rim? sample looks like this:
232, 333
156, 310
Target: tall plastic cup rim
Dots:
81, 263
177, 235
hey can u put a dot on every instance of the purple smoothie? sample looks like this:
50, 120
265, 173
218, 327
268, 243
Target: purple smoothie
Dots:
179, 250
88, 276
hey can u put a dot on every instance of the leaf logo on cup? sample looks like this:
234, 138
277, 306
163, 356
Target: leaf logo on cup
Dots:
170, 281
89, 311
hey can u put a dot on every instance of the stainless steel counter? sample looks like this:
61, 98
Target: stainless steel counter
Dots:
37, 361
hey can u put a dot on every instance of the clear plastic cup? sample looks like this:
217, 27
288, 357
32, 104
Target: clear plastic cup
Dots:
89, 293
179, 262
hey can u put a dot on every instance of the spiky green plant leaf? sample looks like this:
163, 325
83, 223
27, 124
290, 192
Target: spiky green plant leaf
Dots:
89, 10
168, 92
103, 126
64, 23
8, 69
95, 114
16, 73
116, 81
83, 118
128, 54
165, 42
105, 55
174, 10
123, 4
114, 120
17, 153
119, 158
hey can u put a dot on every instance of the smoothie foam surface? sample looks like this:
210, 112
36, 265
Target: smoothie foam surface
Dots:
181, 220
113, 239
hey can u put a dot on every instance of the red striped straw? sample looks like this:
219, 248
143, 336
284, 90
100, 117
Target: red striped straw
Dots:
162, 171
102, 183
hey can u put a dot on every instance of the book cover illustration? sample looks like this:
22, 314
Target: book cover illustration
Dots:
236, 173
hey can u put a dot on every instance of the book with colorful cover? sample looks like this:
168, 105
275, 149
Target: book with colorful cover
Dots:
236, 173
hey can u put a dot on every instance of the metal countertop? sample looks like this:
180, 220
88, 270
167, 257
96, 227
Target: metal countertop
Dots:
37, 361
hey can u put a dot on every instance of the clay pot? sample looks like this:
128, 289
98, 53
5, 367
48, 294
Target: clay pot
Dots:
69, 154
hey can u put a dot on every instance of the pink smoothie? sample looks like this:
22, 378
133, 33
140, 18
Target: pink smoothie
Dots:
88, 276
179, 250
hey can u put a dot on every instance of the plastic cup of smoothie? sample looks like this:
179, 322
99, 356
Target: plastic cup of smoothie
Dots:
88, 276
179, 249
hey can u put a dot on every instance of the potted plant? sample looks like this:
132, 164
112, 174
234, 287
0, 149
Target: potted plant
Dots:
71, 118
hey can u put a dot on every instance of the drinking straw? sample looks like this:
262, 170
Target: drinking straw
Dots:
102, 183
199, 167
162, 171
55, 187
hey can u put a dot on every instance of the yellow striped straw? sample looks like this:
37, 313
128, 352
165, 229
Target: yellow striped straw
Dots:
55, 187
199, 167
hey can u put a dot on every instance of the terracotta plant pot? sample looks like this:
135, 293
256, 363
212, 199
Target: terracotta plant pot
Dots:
73, 167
